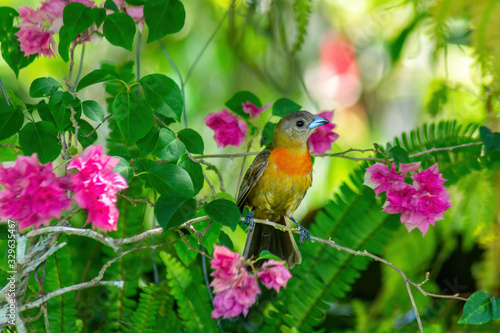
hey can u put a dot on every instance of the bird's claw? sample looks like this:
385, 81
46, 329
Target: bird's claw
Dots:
304, 233
249, 220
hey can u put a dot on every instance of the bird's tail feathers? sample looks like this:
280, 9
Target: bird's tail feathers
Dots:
280, 243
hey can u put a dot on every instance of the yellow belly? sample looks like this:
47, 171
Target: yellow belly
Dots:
277, 193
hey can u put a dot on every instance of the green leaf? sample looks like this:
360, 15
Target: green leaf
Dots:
399, 155
195, 172
491, 140
166, 177
211, 237
12, 54
11, 120
133, 116
97, 76
225, 240
40, 138
93, 110
495, 308
110, 4
163, 17
192, 140
124, 169
185, 254
148, 143
268, 255
100, 15
173, 208
224, 211
477, 309
86, 129
58, 104
64, 43
168, 147
77, 18
241, 97
284, 106
119, 30
44, 87
267, 134
7, 16
163, 95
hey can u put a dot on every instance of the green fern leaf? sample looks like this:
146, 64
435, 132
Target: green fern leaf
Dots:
190, 294
302, 9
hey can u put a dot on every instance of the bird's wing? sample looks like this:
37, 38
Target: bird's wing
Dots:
252, 175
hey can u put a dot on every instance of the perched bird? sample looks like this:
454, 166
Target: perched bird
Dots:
275, 184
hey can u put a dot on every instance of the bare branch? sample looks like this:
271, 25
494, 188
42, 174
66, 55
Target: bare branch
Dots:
64, 290
134, 202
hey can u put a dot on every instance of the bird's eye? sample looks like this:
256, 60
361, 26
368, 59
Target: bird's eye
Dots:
300, 123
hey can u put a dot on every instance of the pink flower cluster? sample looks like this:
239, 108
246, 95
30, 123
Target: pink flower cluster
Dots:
321, 140
228, 128
422, 203
234, 288
38, 26
96, 185
253, 110
32, 194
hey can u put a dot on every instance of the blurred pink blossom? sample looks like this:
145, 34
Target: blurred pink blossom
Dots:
421, 204
239, 298
38, 26
229, 130
32, 194
274, 274
96, 186
253, 110
235, 289
321, 140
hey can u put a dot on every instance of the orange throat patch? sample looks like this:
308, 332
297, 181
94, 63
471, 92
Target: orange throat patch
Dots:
291, 162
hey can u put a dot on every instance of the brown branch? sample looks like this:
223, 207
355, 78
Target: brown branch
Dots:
134, 202
181, 234
10, 146
64, 290
210, 166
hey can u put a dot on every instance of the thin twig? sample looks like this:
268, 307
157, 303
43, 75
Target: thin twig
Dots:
64, 290
100, 276
210, 167
4, 93
95, 129
79, 232
134, 202
160, 121
181, 234
432, 150
10, 146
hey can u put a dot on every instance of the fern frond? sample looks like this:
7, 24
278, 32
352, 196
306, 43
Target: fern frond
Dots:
354, 219
190, 294
302, 9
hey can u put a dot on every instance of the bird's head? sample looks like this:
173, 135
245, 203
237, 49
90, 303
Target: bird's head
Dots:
294, 129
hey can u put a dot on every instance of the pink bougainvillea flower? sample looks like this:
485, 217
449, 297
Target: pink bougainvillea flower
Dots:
274, 274
95, 185
238, 298
253, 110
235, 289
421, 204
321, 140
229, 130
38, 26
226, 263
32, 194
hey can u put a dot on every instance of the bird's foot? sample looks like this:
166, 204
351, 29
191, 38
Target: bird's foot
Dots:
249, 220
304, 233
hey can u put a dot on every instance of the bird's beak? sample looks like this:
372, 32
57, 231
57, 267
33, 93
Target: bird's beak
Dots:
317, 122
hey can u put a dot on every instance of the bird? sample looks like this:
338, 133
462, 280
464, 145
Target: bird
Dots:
274, 186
